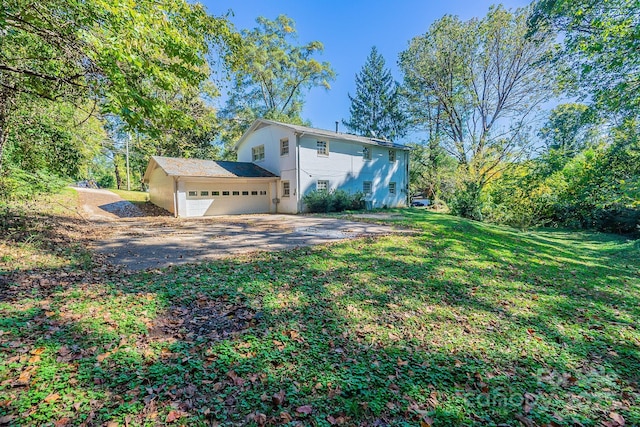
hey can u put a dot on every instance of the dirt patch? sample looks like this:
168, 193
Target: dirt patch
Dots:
105, 205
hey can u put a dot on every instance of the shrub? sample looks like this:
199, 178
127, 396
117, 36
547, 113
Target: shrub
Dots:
333, 201
107, 181
19, 184
466, 202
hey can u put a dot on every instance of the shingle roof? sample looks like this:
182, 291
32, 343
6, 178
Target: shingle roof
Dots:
210, 168
323, 133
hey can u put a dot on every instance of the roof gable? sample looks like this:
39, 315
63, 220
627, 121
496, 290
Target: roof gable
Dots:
320, 133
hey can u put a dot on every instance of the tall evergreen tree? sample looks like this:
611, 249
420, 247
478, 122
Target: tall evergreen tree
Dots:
375, 108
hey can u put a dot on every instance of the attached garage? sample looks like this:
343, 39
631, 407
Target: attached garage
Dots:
194, 187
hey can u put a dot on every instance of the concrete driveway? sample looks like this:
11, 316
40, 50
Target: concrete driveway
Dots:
139, 243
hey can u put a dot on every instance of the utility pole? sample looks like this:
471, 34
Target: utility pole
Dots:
128, 174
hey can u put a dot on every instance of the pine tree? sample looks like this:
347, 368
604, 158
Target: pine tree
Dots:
375, 108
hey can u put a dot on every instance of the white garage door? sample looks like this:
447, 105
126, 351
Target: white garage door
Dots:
204, 199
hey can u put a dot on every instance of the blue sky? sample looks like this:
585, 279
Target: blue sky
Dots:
348, 29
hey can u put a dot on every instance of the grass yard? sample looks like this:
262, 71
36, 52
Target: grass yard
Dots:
135, 197
462, 323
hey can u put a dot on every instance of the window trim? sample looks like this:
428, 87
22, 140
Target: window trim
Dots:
325, 151
282, 144
367, 151
286, 189
257, 150
393, 156
364, 185
394, 186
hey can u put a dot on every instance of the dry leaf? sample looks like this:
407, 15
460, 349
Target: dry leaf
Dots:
426, 422
52, 397
305, 409
260, 419
285, 417
174, 416
6, 419
278, 398
62, 422
617, 418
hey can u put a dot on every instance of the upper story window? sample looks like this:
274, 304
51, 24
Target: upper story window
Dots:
323, 148
257, 153
367, 187
392, 155
322, 185
366, 153
284, 147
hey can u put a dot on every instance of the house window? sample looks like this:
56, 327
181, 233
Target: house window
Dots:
263, 193
204, 193
366, 153
236, 193
225, 193
286, 189
392, 188
245, 193
257, 153
322, 185
193, 194
254, 193
215, 193
392, 155
367, 187
323, 148
284, 147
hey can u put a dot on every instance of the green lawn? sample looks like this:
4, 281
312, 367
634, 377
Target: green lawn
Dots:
462, 323
132, 196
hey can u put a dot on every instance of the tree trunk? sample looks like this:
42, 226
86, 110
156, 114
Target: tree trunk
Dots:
5, 96
117, 171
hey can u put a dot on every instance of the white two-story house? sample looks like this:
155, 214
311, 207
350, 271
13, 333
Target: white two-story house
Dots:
278, 164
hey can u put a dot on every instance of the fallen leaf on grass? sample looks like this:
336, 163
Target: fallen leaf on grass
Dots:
23, 379
174, 415
305, 409
62, 422
103, 356
617, 418
278, 398
285, 417
6, 419
52, 397
426, 422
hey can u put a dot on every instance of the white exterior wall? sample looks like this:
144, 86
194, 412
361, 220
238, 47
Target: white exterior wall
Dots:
161, 190
283, 166
194, 206
346, 169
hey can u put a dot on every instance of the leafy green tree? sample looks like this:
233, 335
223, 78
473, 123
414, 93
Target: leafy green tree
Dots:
569, 129
56, 138
432, 171
115, 52
485, 77
375, 109
272, 76
600, 58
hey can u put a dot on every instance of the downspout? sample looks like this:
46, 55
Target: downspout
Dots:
175, 196
298, 189
408, 198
